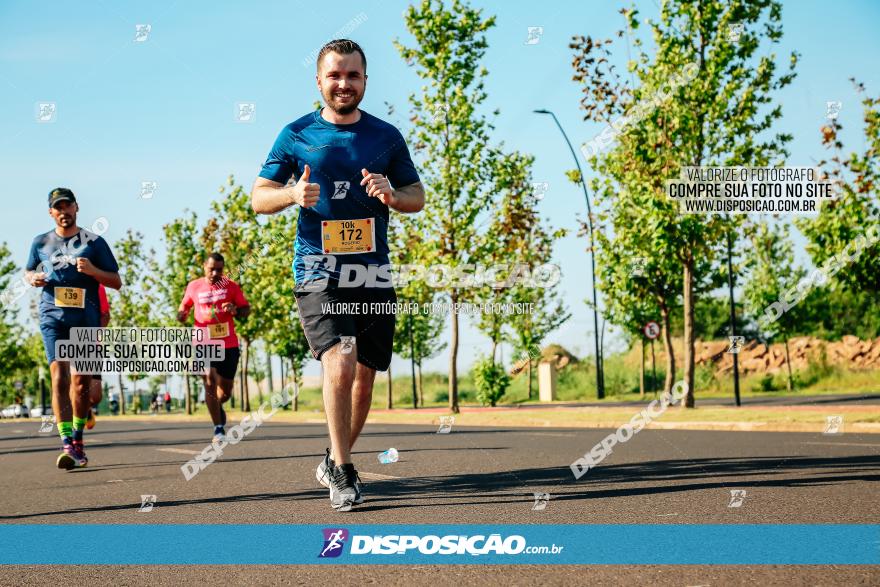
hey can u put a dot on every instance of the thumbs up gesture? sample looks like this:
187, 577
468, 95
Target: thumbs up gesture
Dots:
304, 193
378, 186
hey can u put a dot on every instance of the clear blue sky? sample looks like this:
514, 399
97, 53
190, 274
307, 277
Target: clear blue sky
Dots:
162, 110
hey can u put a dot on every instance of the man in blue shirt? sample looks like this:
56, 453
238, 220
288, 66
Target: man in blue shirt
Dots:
351, 168
69, 263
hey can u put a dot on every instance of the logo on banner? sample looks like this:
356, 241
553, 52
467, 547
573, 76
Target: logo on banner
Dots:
334, 540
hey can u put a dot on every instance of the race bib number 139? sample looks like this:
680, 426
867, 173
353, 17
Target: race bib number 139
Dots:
70, 297
347, 237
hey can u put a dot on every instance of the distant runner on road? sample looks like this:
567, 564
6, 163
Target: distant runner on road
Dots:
70, 264
217, 301
96, 392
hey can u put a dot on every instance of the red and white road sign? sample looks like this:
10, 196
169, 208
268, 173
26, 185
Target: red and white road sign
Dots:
651, 330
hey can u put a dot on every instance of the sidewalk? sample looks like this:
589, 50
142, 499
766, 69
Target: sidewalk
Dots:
863, 418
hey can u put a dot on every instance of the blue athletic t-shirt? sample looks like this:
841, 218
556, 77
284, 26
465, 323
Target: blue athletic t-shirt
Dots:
58, 255
336, 153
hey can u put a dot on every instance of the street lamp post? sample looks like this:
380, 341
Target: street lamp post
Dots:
732, 316
600, 376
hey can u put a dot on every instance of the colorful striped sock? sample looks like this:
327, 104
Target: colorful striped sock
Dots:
65, 429
79, 425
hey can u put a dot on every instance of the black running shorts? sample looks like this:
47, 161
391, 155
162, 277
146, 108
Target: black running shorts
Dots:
364, 313
229, 365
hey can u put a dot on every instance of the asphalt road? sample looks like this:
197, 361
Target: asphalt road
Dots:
474, 475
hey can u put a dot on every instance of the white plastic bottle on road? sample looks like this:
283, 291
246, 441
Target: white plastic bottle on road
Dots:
389, 456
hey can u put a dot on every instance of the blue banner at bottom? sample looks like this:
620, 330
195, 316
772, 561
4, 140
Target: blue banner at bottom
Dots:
625, 544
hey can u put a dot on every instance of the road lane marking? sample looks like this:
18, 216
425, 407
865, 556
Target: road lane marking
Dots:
182, 451
377, 476
841, 444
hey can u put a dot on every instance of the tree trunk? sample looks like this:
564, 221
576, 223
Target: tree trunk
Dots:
390, 389
529, 374
602, 357
270, 388
245, 394
412, 361
247, 381
788, 364
421, 389
295, 386
453, 359
283, 380
670, 352
689, 333
494, 350
653, 370
121, 396
642, 368
187, 398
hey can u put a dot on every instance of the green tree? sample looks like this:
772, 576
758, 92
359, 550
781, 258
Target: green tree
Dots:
519, 238
272, 277
417, 334
832, 312
491, 381
854, 215
450, 136
16, 362
134, 303
639, 281
182, 263
234, 232
704, 98
531, 328
772, 271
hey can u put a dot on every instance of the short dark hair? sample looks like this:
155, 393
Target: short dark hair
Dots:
343, 47
217, 257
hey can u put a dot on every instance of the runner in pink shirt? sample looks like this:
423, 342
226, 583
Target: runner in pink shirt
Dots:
217, 300
96, 392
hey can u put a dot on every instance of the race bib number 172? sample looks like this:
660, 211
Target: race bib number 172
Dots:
348, 237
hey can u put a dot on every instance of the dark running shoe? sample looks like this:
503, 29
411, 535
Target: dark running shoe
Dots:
66, 460
343, 493
79, 453
322, 474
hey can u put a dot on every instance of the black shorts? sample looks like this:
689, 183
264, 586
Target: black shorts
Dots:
229, 365
366, 314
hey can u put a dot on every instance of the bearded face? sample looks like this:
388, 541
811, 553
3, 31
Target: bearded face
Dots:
64, 213
342, 81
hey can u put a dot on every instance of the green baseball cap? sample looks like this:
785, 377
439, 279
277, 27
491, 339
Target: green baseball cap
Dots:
60, 195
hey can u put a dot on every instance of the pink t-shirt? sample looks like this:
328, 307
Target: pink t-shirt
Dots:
103, 302
208, 300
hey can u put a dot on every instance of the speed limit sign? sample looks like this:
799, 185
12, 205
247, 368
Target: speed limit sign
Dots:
651, 330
